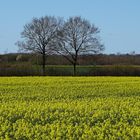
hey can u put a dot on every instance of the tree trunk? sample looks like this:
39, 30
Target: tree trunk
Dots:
74, 69
43, 63
75, 63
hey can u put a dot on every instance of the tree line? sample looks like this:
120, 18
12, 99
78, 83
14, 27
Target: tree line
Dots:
29, 64
95, 59
69, 38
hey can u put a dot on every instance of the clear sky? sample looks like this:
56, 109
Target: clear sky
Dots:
118, 20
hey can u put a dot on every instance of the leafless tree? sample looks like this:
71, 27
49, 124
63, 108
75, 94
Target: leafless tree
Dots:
78, 37
39, 36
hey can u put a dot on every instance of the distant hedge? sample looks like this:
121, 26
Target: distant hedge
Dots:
27, 69
94, 70
19, 70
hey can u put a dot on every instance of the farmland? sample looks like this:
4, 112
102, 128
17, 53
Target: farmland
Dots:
69, 108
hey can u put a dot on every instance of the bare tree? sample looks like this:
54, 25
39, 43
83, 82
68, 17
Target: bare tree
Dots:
78, 37
39, 36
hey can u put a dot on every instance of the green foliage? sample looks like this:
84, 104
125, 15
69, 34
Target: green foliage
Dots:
34, 108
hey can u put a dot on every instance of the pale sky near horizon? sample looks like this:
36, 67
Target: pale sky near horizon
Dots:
118, 20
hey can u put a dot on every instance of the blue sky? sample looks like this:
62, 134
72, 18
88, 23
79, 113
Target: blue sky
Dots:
118, 20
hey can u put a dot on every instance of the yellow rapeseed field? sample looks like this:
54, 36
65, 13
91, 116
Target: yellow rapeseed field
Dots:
73, 108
